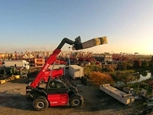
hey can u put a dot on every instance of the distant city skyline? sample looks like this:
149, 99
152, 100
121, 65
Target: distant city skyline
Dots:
41, 25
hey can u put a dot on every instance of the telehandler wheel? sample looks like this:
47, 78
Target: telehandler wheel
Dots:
75, 102
40, 104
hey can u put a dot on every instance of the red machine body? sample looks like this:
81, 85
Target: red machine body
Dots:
56, 93
49, 62
57, 73
58, 99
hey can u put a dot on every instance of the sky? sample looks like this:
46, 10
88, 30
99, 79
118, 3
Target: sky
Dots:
32, 25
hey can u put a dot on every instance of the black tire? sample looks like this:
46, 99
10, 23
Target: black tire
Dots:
75, 102
40, 104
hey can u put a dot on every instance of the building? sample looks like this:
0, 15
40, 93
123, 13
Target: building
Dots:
103, 57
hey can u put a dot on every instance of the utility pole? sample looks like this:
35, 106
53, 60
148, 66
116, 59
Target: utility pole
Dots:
69, 56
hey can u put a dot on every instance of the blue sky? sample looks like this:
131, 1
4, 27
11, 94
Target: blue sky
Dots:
42, 24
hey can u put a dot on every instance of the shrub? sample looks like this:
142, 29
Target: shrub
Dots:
144, 73
124, 66
100, 78
90, 68
150, 82
145, 63
110, 68
129, 65
137, 63
125, 77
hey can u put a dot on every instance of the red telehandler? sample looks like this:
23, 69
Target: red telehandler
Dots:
56, 93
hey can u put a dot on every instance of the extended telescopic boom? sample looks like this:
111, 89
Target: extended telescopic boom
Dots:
77, 45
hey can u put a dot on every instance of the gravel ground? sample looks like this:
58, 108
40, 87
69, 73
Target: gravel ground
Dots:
13, 102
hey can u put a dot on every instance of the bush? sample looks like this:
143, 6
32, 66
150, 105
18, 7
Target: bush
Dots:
90, 68
145, 63
137, 63
124, 66
125, 77
100, 78
144, 73
150, 82
110, 68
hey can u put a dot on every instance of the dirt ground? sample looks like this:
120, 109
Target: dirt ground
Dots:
14, 102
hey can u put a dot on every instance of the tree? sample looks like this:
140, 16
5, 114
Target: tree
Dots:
137, 63
152, 58
151, 61
145, 63
90, 68
124, 65
129, 65
110, 68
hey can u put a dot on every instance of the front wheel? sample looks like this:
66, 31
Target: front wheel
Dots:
75, 102
40, 104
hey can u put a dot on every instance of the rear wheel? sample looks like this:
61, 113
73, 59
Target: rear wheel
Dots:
75, 102
40, 104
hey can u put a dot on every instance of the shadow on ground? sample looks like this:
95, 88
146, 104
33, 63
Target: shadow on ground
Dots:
14, 100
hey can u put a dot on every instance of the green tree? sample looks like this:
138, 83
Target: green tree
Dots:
137, 63
129, 65
90, 68
145, 63
124, 65
110, 68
